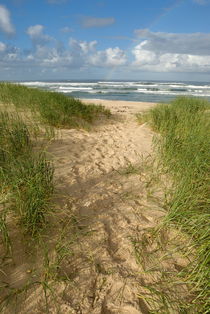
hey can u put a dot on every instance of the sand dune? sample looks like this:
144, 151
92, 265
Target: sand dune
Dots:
112, 211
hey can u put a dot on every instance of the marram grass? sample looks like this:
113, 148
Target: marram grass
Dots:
53, 108
27, 117
27, 120
26, 176
184, 126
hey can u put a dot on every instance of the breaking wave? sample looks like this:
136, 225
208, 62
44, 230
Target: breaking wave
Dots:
126, 90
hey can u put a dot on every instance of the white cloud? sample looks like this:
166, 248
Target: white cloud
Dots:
2, 47
89, 22
5, 21
168, 52
79, 55
36, 34
109, 57
115, 57
9, 57
194, 43
155, 52
82, 47
89, 55
144, 56
155, 61
35, 31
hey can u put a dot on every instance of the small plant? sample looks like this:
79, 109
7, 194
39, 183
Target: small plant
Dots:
32, 190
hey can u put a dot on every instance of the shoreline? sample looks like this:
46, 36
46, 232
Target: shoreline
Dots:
121, 106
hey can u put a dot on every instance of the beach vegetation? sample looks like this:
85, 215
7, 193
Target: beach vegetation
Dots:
182, 142
26, 175
29, 119
52, 108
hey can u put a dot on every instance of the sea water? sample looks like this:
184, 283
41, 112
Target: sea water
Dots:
146, 91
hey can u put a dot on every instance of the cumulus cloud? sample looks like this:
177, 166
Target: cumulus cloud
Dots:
155, 52
37, 36
109, 57
89, 22
166, 61
78, 55
194, 43
2, 47
115, 56
86, 54
9, 56
82, 47
5, 21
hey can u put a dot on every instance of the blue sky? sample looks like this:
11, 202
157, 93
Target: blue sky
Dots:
105, 39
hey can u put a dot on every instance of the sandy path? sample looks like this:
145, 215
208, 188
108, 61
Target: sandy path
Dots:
104, 215
112, 205
84, 156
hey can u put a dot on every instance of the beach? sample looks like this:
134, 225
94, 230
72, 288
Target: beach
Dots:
112, 205
104, 157
112, 144
108, 206
120, 106
99, 253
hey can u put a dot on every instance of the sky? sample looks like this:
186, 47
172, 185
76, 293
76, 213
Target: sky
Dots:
105, 39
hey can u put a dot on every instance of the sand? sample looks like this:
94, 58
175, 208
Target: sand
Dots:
88, 169
119, 106
113, 210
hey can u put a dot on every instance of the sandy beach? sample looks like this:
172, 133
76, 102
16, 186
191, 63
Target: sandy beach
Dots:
112, 206
104, 157
125, 107
88, 169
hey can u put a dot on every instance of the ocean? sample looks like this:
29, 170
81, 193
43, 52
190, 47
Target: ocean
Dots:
146, 91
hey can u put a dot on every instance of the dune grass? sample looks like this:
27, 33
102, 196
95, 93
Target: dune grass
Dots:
27, 117
53, 108
184, 151
27, 120
26, 175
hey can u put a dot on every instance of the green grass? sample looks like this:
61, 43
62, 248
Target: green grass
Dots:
53, 108
27, 117
184, 151
32, 190
26, 176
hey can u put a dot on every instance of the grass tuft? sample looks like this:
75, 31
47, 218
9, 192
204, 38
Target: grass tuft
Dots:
26, 175
27, 120
53, 108
32, 191
184, 151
